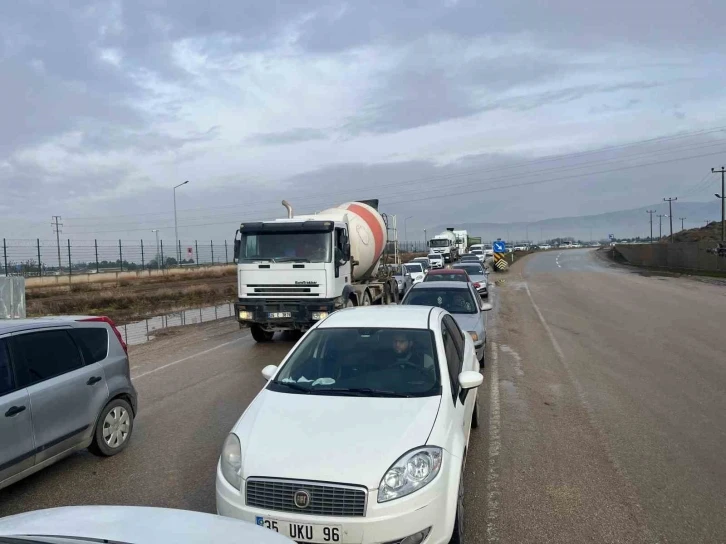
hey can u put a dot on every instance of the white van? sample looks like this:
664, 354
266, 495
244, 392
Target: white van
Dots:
436, 260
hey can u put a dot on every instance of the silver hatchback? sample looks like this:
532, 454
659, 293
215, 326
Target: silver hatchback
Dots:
65, 385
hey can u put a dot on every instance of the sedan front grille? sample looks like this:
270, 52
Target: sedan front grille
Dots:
324, 499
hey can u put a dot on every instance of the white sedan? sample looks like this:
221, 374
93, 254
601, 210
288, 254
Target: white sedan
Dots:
361, 433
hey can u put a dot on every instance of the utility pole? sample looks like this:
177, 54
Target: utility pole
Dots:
177, 250
707, 222
158, 254
57, 229
682, 224
651, 212
660, 225
670, 212
722, 196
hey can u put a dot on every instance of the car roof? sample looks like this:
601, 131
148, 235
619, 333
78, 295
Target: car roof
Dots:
441, 285
16, 325
447, 271
387, 317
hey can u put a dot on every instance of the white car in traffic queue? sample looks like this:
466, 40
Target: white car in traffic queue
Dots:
360, 435
417, 271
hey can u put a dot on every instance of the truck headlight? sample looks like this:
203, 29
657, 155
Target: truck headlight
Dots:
317, 316
410, 473
245, 315
231, 461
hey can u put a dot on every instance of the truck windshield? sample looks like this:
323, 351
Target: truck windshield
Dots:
443, 242
311, 247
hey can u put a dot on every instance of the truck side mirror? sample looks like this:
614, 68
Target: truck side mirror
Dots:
237, 245
346, 251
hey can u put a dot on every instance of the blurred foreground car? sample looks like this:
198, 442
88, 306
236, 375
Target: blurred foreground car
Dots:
361, 433
64, 386
129, 524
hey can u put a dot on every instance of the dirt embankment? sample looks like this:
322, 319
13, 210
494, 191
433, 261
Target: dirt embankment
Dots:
130, 300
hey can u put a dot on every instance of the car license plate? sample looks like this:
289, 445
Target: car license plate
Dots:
279, 315
301, 532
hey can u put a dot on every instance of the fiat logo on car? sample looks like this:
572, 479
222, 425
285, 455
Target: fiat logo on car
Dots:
302, 499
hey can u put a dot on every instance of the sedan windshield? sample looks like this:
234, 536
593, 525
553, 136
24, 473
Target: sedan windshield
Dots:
413, 268
471, 269
365, 362
454, 301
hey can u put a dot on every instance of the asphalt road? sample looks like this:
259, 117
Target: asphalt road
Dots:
605, 423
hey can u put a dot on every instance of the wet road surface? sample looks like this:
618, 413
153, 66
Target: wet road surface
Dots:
612, 400
605, 393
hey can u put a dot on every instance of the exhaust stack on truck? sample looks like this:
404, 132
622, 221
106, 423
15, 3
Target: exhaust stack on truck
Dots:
295, 271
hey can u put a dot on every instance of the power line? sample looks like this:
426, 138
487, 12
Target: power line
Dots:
492, 169
450, 193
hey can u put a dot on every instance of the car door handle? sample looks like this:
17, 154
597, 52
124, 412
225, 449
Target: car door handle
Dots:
14, 410
93, 380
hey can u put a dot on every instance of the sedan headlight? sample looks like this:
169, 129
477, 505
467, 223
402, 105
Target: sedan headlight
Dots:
231, 461
474, 336
410, 473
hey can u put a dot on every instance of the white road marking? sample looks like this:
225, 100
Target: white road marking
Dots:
517, 359
210, 350
557, 260
493, 493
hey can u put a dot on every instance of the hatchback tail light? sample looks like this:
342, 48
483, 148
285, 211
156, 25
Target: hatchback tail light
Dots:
104, 319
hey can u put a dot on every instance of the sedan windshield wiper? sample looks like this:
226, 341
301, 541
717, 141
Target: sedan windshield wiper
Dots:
293, 385
359, 392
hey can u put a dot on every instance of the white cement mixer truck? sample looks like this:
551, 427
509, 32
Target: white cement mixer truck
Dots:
295, 271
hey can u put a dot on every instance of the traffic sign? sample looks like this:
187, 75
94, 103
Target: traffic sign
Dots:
500, 246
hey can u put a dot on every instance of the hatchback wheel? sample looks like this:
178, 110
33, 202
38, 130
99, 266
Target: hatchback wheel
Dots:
113, 429
457, 536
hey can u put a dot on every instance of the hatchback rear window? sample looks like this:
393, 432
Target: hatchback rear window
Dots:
93, 342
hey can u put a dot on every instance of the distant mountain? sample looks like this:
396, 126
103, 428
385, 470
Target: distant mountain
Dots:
622, 224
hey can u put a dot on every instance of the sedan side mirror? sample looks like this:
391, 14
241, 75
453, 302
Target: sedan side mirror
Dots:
269, 372
470, 379
485, 307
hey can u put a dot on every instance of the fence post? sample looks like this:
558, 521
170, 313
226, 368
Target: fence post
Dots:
120, 256
70, 265
95, 246
211, 245
142, 255
162, 254
40, 266
5, 255
196, 247
226, 255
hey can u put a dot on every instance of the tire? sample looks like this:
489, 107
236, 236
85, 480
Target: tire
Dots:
260, 335
457, 537
475, 414
293, 336
366, 299
350, 303
113, 429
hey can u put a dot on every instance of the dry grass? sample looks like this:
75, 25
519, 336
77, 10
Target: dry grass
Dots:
125, 302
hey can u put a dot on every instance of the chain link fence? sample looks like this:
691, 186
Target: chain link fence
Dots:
67, 257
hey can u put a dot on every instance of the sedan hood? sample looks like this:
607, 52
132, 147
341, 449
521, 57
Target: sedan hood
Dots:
140, 525
468, 322
351, 440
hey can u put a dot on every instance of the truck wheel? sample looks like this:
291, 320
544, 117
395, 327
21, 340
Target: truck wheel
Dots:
350, 303
366, 299
261, 335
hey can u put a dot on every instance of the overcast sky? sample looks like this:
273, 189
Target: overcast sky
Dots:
444, 110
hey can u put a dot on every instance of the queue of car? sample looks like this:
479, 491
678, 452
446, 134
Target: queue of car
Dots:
386, 396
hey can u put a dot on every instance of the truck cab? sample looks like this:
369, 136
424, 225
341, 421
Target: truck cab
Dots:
291, 273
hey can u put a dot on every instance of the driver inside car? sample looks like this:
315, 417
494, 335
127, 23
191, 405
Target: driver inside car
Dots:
405, 353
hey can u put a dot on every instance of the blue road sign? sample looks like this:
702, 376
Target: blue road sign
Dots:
500, 246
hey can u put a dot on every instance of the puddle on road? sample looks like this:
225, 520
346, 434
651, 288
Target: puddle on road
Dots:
143, 331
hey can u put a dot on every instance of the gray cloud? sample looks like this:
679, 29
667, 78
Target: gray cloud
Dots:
292, 136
